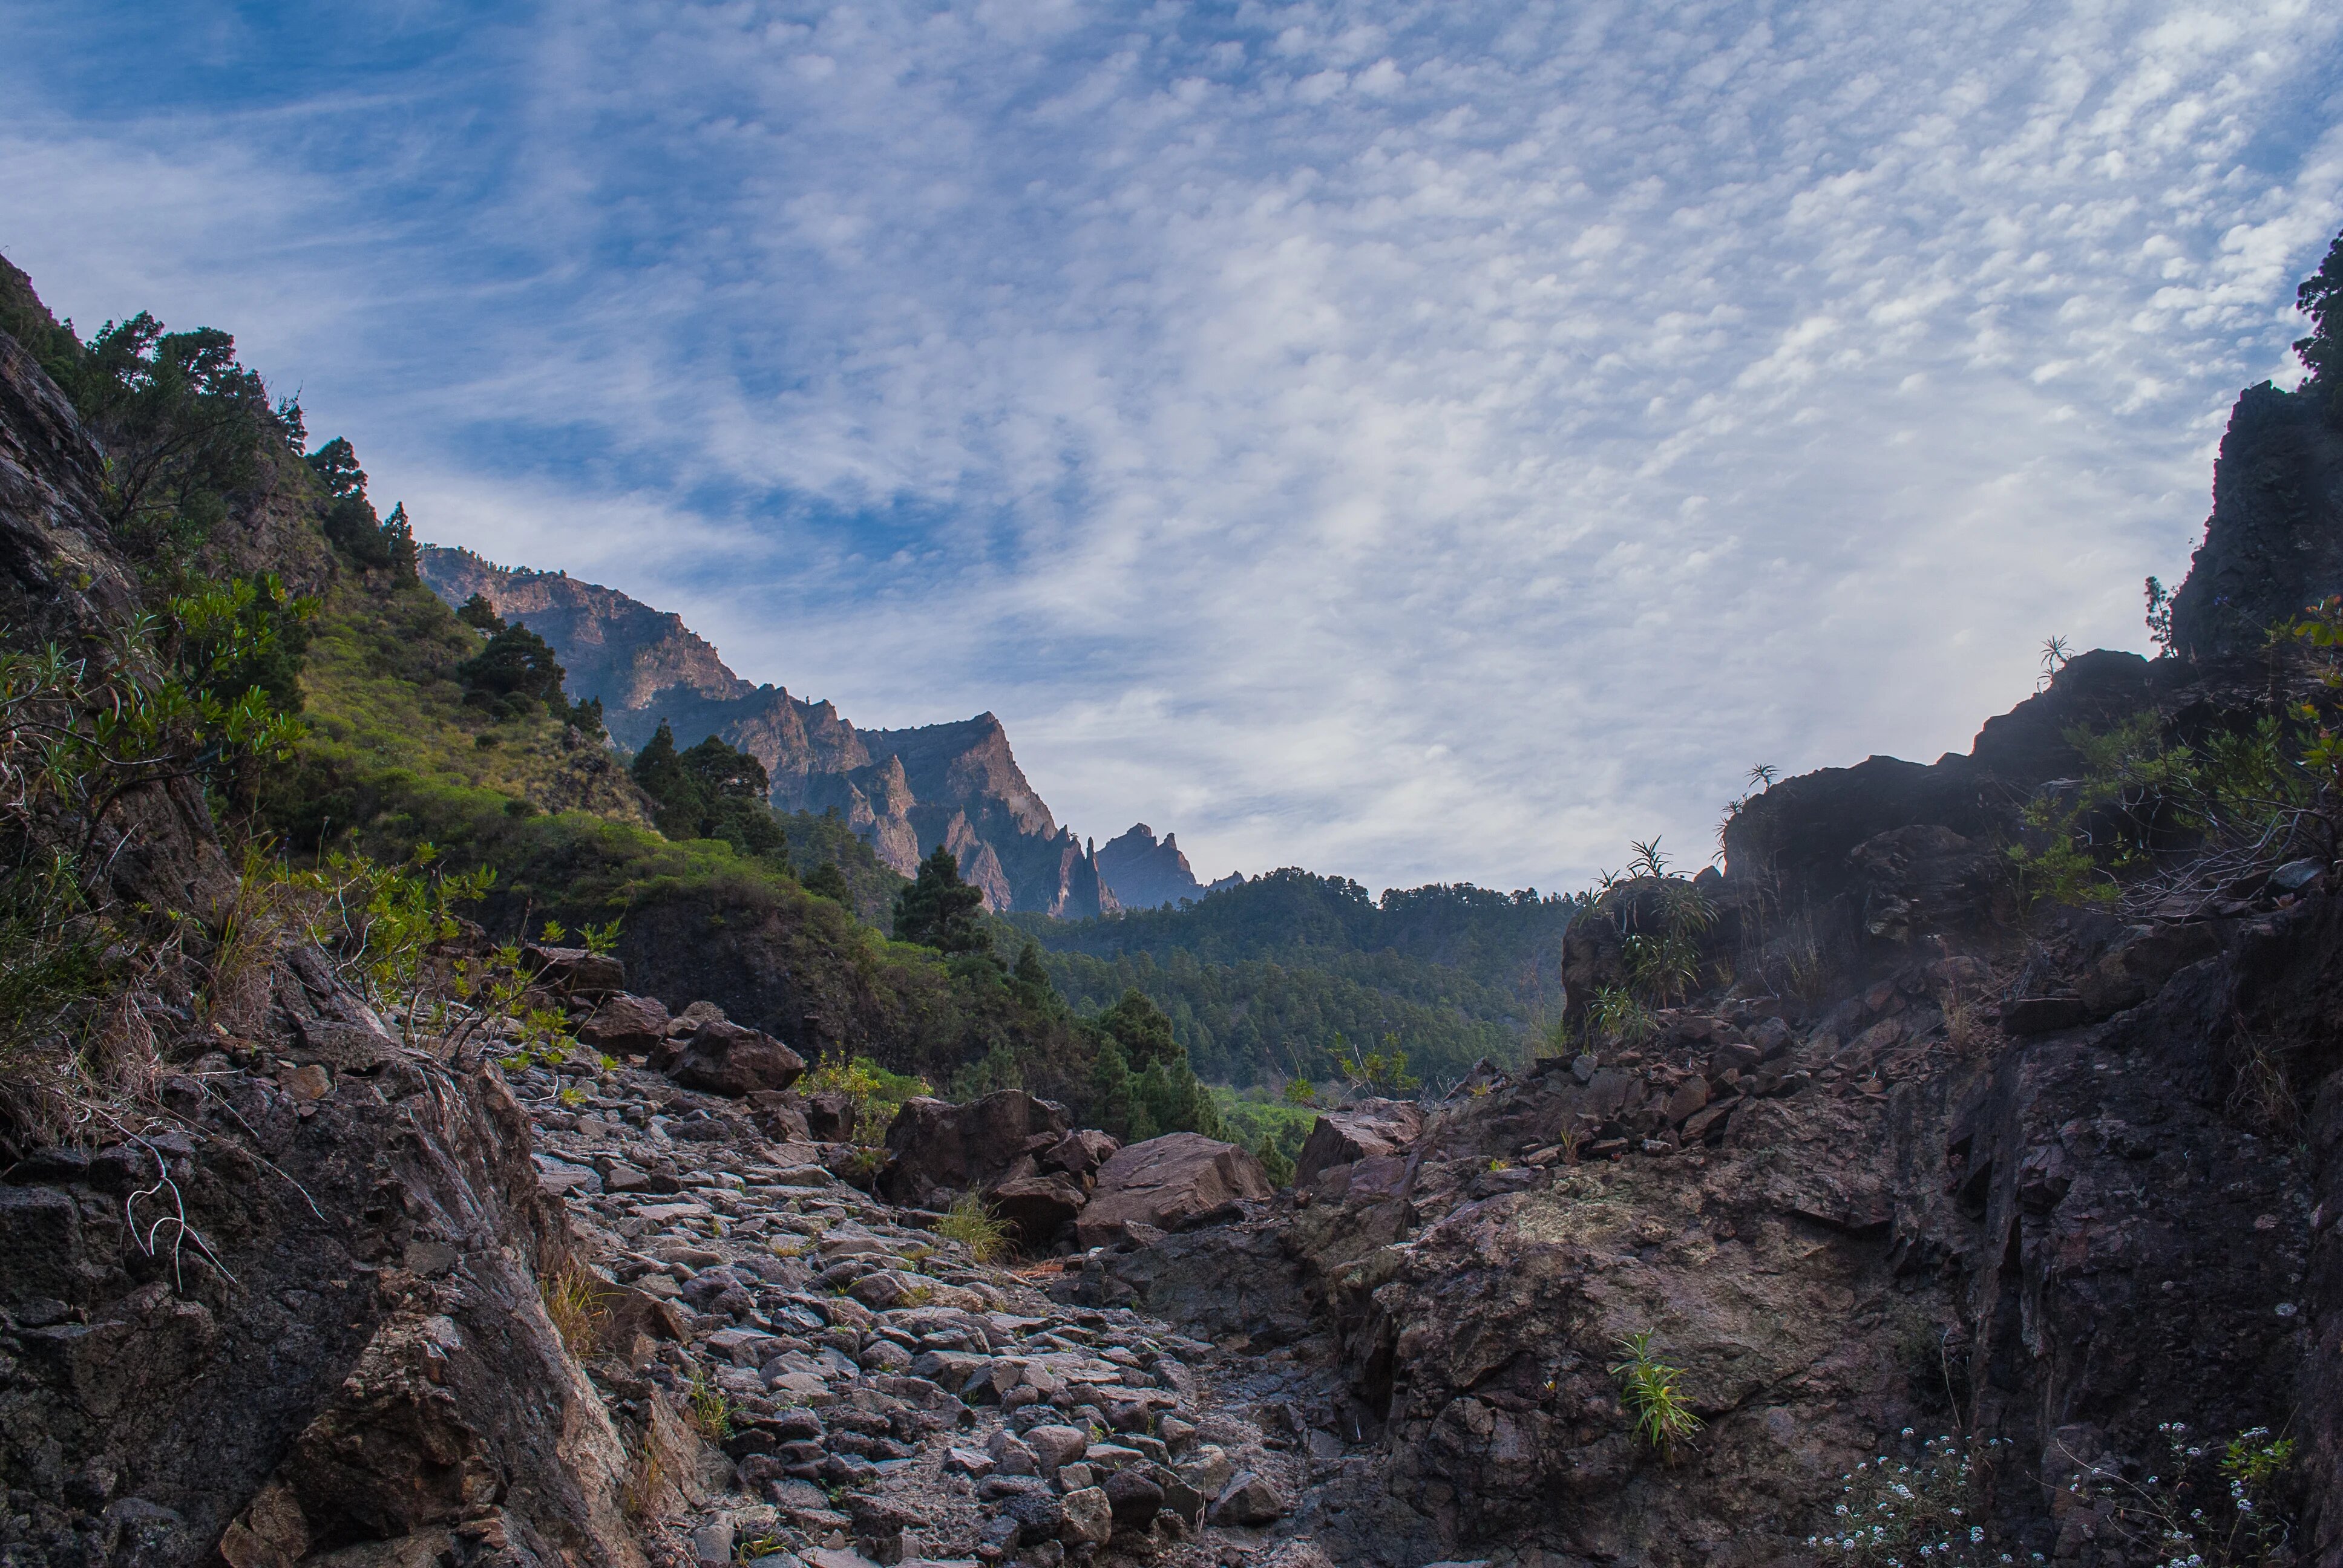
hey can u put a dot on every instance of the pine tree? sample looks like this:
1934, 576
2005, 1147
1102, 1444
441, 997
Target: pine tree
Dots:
2320, 298
827, 881
938, 910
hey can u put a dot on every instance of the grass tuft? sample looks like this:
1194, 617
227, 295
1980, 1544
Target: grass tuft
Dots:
974, 1226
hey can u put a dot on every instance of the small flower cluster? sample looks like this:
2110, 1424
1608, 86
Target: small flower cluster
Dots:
1918, 1513
2162, 1515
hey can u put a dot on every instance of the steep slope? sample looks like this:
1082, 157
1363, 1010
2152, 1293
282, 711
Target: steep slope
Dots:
902, 791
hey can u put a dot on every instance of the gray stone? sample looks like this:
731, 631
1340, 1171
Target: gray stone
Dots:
1089, 1517
1248, 1499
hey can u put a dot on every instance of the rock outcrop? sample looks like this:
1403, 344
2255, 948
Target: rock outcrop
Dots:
1363, 1130
1146, 1189
937, 1151
2274, 541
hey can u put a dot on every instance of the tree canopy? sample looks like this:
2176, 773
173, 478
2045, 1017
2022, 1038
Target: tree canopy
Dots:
939, 911
710, 792
2320, 298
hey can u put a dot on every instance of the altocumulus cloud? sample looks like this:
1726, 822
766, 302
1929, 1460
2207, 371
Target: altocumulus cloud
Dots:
1413, 440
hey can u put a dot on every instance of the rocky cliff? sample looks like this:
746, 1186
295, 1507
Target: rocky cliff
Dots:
2275, 541
903, 791
275, 1292
1144, 874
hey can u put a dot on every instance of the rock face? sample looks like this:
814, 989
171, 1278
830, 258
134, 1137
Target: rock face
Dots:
1359, 1130
1144, 874
1165, 1181
905, 791
2274, 541
935, 1150
288, 1307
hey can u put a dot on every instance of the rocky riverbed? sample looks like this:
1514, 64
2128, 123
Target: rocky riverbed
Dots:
824, 1377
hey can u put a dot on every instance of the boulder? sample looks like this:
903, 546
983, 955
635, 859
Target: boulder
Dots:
830, 1116
573, 971
780, 1116
937, 1151
1079, 1154
729, 1058
626, 1025
1359, 1130
1248, 1499
1166, 1180
1036, 1208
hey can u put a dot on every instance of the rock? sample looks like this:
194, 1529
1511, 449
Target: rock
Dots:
1056, 1446
573, 971
2043, 1014
1165, 1179
1209, 1470
1362, 1130
1011, 1455
1079, 1154
626, 1025
1039, 1516
1036, 1208
728, 1059
779, 1117
1248, 1499
830, 1116
1689, 1097
1134, 1499
937, 1151
1089, 1517
2297, 875
711, 1545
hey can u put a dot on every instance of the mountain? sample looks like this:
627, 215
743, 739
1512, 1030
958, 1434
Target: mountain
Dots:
1144, 874
902, 791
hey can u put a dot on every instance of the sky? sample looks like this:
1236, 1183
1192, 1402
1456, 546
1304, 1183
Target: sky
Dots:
1421, 441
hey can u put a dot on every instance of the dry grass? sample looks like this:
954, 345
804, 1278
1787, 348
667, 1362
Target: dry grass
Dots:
710, 1408
573, 1300
2263, 1093
643, 1495
974, 1226
1964, 1024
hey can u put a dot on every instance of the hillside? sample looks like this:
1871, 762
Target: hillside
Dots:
1261, 978
902, 791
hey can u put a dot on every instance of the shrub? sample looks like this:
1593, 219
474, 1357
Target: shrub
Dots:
1899, 1513
876, 1093
2207, 1505
1654, 1396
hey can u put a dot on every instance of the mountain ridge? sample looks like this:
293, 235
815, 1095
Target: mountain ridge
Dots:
903, 791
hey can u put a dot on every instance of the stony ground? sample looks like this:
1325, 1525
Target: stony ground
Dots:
806, 1374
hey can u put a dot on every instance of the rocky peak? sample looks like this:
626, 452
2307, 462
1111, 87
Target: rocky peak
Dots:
2274, 542
1145, 874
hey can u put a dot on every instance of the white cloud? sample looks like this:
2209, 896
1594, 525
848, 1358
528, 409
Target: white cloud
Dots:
1411, 440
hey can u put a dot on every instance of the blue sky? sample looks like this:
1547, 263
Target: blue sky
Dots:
1423, 441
